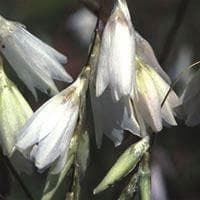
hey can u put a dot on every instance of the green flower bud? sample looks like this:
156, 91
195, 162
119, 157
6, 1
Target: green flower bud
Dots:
126, 163
14, 111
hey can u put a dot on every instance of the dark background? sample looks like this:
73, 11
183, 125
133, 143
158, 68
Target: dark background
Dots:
173, 29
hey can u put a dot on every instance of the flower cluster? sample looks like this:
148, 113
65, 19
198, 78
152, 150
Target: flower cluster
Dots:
139, 107
126, 83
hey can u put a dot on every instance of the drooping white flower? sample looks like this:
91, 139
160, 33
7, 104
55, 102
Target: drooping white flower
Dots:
151, 91
46, 136
191, 101
116, 66
110, 117
14, 111
36, 63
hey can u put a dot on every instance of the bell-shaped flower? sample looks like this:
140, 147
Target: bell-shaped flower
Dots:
46, 136
14, 112
191, 101
115, 67
36, 63
151, 91
121, 114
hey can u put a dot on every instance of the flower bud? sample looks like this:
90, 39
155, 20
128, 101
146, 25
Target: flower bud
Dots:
14, 111
126, 163
46, 136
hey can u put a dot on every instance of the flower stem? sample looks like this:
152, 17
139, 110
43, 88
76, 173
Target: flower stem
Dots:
145, 178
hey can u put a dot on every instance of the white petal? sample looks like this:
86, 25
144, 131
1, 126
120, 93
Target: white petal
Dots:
60, 163
41, 123
50, 148
112, 118
116, 136
129, 122
116, 64
148, 100
35, 62
146, 54
167, 114
172, 100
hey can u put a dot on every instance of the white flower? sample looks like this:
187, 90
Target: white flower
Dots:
14, 111
46, 136
36, 63
115, 66
112, 118
191, 100
151, 91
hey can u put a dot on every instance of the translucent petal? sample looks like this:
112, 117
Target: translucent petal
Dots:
51, 147
35, 62
146, 54
116, 66
148, 100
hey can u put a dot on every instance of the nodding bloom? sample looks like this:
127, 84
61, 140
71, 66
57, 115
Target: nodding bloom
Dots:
151, 91
115, 67
46, 136
191, 101
14, 112
110, 117
36, 63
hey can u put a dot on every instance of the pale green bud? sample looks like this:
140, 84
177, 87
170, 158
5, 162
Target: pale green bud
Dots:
126, 163
14, 111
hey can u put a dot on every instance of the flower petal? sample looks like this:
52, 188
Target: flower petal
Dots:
35, 62
146, 54
116, 66
148, 100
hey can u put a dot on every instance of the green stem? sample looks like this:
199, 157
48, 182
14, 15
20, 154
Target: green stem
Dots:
145, 178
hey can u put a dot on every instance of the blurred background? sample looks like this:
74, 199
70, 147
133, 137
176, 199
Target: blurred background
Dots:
173, 29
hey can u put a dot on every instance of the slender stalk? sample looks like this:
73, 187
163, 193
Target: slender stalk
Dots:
145, 178
177, 79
